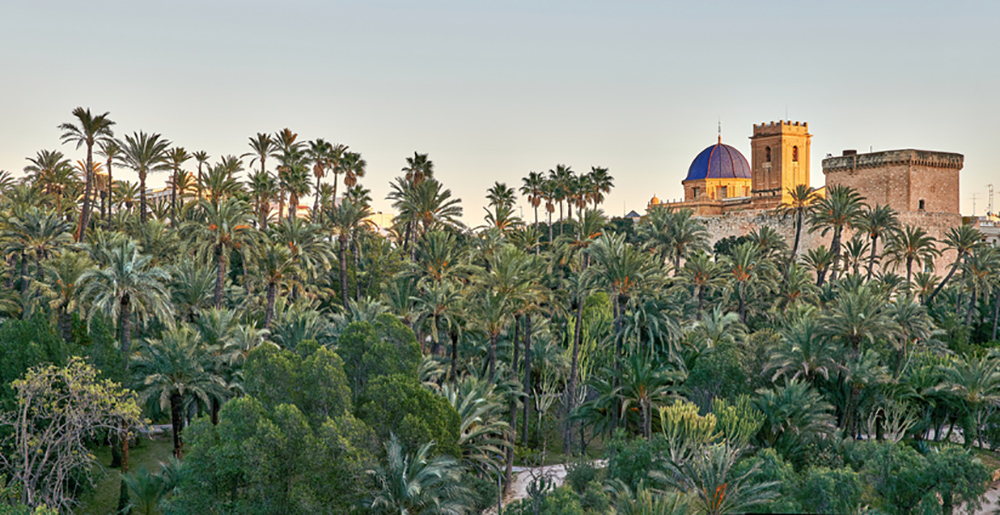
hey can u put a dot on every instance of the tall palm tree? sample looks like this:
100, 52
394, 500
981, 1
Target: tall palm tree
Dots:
839, 210
877, 222
274, 264
800, 198
354, 167
532, 189
220, 181
126, 284
646, 386
701, 272
417, 484
500, 195
64, 272
560, 178
345, 219
35, 234
963, 240
176, 157
320, 154
911, 245
819, 260
976, 382
144, 153
87, 130
225, 227
804, 352
262, 190
173, 369
110, 150
980, 272
601, 183
202, 158
425, 206
418, 168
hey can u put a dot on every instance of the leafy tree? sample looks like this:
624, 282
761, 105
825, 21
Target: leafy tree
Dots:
826, 490
313, 380
386, 347
89, 130
397, 404
59, 410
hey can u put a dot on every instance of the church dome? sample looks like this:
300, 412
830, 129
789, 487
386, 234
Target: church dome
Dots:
719, 162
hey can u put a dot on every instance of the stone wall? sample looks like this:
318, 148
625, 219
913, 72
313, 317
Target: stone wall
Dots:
901, 179
742, 223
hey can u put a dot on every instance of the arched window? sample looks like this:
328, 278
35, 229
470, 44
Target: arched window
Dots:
767, 154
795, 154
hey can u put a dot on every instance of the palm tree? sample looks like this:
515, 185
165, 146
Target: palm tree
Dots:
126, 284
262, 190
173, 369
345, 218
53, 173
859, 315
600, 182
877, 222
980, 273
963, 240
746, 266
911, 245
673, 234
418, 168
191, 287
532, 189
426, 206
146, 489
89, 130
225, 227
819, 260
701, 272
976, 382
840, 209
481, 436
65, 271
110, 149
293, 179
560, 178
320, 153
416, 484
800, 198
353, 167
718, 488
274, 264
202, 158
804, 352
35, 234
176, 157
855, 254
144, 153
646, 386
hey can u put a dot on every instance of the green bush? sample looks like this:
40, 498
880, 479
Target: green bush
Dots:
580, 473
401, 405
631, 461
834, 491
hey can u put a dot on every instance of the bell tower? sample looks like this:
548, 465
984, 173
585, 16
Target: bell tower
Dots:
779, 160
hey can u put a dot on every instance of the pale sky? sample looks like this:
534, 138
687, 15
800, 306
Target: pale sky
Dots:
494, 89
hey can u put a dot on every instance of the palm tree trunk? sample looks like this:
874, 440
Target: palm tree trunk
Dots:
24, 274
220, 274
173, 200
142, 196
835, 248
996, 315
176, 420
126, 322
343, 269
954, 266
107, 218
315, 211
798, 233
216, 406
617, 310
454, 356
355, 252
972, 307
909, 270
743, 303
65, 323
87, 188
269, 312
573, 372
527, 377
550, 229
871, 259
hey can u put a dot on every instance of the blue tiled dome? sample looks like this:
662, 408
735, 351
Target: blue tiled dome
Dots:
719, 162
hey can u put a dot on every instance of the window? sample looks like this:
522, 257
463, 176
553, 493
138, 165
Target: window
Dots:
921, 204
722, 192
694, 192
767, 154
795, 154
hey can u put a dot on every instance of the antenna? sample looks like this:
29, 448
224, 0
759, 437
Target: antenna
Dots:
974, 196
989, 209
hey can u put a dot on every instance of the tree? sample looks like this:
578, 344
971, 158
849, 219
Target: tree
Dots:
840, 209
176, 157
174, 369
963, 240
202, 158
418, 168
274, 265
111, 150
345, 219
975, 381
746, 267
144, 153
416, 484
804, 352
127, 283
226, 227
800, 198
646, 386
717, 488
59, 411
533, 190
89, 130
674, 234
400, 405
877, 222
53, 173
911, 245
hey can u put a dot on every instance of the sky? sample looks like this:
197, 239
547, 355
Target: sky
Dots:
492, 90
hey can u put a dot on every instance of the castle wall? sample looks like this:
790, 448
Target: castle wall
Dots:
741, 223
900, 179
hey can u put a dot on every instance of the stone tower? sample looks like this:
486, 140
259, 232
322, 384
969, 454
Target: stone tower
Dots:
779, 160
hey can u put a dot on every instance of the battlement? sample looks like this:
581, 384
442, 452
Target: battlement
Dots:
780, 127
912, 157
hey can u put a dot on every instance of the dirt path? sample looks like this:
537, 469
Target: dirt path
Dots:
523, 476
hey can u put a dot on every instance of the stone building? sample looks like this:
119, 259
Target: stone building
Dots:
922, 186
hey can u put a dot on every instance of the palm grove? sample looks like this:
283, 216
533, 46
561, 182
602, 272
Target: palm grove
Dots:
314, 365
